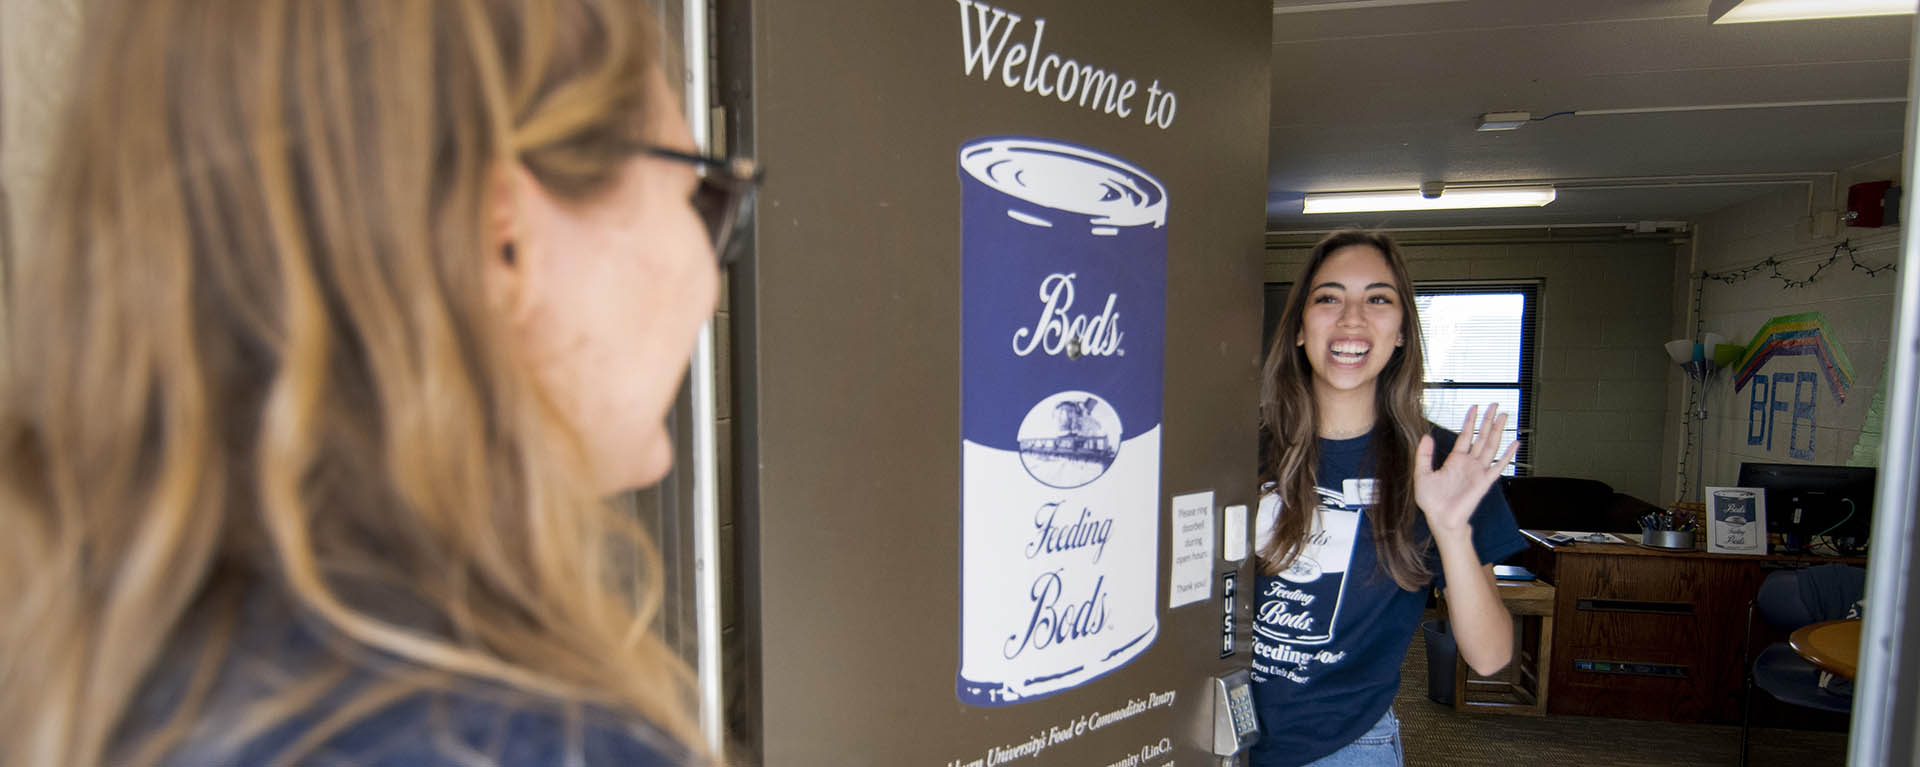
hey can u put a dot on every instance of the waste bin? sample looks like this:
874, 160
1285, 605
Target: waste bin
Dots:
1441, 655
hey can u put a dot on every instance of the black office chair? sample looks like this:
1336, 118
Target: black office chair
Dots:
1787, 600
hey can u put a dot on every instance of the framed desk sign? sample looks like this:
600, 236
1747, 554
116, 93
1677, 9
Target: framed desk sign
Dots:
1736, 520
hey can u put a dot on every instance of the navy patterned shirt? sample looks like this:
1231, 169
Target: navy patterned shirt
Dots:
1330, 633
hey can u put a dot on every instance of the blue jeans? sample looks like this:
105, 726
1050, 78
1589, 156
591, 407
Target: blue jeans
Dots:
1379, 747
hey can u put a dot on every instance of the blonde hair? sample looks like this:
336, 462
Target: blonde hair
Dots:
253, 347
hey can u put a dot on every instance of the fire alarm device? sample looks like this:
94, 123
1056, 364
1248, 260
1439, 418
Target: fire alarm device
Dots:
1866, 204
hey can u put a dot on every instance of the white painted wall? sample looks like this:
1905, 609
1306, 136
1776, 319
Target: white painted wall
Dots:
35, 37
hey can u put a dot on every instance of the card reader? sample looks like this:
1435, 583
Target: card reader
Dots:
1234, 725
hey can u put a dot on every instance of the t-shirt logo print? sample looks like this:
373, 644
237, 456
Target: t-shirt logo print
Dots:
1301, 606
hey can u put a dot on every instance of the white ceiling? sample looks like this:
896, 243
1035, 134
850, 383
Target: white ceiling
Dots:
1385, 94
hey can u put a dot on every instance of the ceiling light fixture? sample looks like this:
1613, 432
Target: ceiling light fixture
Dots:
1748, 11
1452, 198
1310, 6
1493, 121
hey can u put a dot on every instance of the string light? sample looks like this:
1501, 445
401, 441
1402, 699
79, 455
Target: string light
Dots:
1694, 403
1770, 268
1871, 271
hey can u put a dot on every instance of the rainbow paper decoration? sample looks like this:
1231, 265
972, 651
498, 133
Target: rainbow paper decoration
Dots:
1793, 335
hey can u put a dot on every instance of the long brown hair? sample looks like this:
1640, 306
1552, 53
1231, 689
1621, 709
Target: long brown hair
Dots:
251, 347
1290, 424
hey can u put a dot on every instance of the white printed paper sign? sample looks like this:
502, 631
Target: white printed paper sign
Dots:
1192, 526
1063, 307
1736, 520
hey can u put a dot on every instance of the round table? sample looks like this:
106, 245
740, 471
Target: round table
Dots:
1834, 646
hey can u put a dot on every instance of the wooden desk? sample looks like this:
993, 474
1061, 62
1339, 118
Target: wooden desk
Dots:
1651, 634
1833, 646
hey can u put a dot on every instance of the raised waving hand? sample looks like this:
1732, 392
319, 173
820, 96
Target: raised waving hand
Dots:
1449, 494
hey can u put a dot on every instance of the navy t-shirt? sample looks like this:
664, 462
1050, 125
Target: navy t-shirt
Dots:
1330, 633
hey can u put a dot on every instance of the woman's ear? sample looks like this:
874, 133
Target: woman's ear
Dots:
503, 253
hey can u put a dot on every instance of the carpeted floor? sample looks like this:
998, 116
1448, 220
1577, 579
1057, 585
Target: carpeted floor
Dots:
1437, 736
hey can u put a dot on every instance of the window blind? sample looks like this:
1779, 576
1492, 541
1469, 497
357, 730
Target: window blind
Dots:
1480, 348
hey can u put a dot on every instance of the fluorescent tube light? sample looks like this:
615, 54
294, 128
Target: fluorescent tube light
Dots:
1494, 121
1310, 6
1748, 11
1412, 199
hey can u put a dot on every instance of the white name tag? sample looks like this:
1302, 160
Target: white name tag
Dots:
1358, 492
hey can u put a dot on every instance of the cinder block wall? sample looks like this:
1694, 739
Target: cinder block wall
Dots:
1605, 310
1858, 311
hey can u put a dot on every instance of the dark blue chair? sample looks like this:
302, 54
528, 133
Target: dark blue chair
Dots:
1787, 600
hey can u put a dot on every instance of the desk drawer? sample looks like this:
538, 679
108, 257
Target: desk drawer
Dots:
1632, 637
1643, 637
1652, 607
1641, 579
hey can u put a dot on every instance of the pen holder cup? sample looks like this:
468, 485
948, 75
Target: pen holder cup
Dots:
1667, 539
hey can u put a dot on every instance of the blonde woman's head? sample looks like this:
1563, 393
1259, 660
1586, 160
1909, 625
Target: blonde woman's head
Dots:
368, 291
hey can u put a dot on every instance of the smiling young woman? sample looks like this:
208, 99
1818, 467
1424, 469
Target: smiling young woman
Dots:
1360, 518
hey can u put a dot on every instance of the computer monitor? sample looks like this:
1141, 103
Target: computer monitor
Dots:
1811, 506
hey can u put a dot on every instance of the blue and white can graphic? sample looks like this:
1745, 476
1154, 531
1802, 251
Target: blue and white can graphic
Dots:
1735, 511
1063, 292
1302, 605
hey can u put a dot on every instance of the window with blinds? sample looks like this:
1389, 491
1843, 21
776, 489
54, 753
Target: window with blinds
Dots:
1481, 349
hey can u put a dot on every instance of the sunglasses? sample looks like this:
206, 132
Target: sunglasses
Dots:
724, 198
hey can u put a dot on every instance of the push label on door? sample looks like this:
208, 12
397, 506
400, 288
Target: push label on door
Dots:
1227, 582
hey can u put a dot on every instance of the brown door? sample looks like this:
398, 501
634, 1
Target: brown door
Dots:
1003, 308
